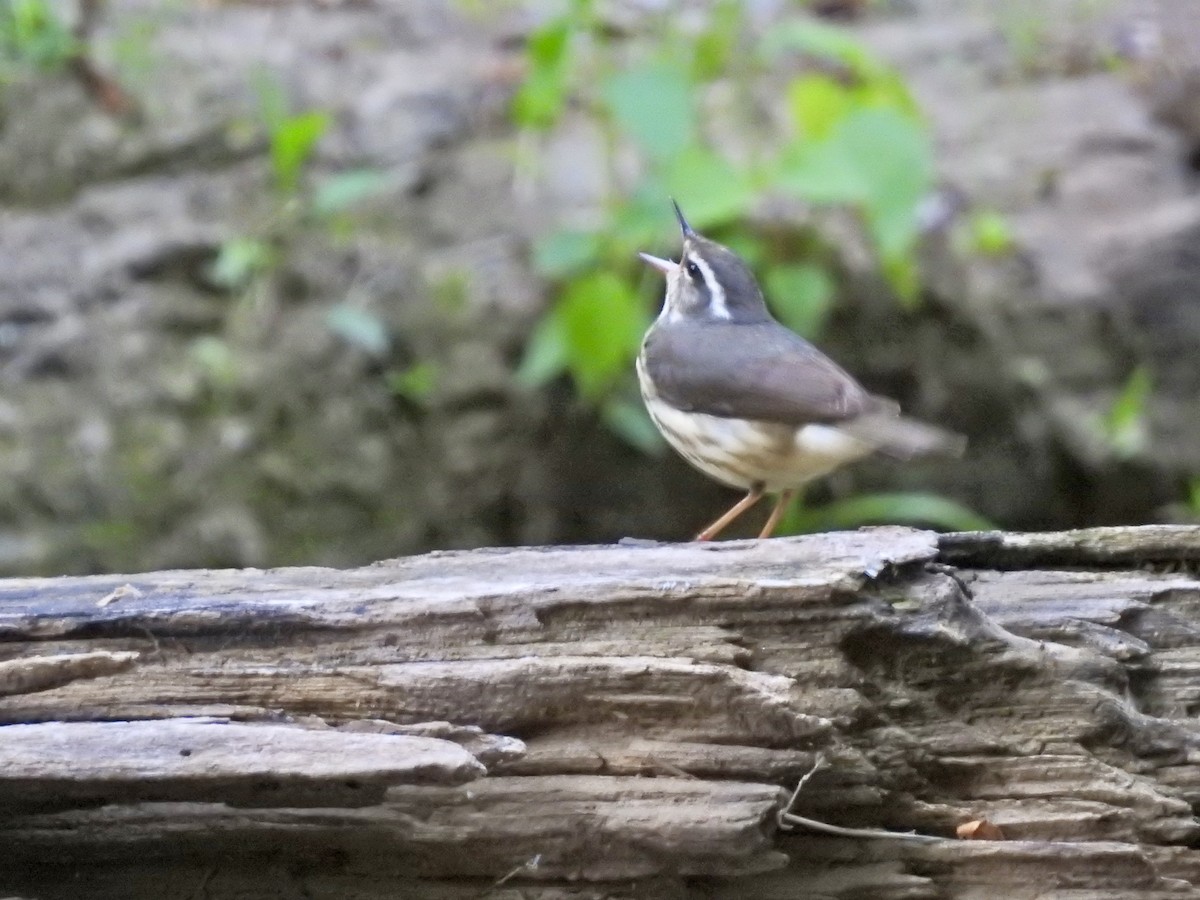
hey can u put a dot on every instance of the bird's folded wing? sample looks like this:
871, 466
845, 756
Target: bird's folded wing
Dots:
761, 372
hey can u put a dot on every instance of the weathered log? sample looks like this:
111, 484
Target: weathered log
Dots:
68, 765
614, 721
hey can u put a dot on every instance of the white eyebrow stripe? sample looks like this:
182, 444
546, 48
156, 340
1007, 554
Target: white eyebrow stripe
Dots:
716, 293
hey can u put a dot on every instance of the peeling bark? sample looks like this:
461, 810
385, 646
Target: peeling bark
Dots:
621, 721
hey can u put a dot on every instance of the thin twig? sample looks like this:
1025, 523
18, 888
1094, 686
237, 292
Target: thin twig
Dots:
530, 865
788, 820
103, 89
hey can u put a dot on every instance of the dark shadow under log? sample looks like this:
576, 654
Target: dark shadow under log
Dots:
622, 721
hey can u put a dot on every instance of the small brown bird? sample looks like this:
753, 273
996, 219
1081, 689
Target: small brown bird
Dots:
750, 403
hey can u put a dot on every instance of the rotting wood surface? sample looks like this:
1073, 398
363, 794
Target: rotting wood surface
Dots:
623, 721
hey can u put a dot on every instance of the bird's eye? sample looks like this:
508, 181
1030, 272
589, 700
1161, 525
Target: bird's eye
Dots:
692, 269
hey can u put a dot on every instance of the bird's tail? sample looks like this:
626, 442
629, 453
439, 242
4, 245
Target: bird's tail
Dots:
892, 435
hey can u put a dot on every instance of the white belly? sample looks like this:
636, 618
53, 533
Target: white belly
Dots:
743, 453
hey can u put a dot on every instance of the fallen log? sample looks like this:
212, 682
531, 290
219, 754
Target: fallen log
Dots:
624, 721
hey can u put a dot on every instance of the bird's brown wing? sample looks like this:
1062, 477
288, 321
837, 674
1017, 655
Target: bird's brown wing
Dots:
757, 371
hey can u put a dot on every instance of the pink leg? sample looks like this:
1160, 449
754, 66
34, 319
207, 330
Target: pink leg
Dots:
776, 514
756, 494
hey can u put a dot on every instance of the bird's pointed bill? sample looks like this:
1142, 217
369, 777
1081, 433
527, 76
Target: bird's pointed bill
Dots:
683, 225
663, 265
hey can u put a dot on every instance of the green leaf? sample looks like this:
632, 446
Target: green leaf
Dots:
710, 188
292, 143
990, 233
824, 41
540, 99
32, 34
359, 328
1125, 423
892, 155
652, 103
801, 296
817, 104
885, 89
902, 274
714, 47
871, 83
903, 508
238, 261
629, 420
818, 173
216, 360
547, 46
542, 95
342, 191
878, 159
546, 352
415, 383
1193, 497
563, 252
452, 291
603, 322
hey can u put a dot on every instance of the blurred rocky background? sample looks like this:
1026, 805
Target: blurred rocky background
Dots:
287, 282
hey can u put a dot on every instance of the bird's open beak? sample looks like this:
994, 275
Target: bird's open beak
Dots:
663, 265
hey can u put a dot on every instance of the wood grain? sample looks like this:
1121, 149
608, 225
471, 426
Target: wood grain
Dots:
621, 721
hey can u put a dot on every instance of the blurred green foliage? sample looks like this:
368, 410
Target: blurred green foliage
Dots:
851, 138
989, 234
843, 132
902, 507
33, 37
239, 260
292, 139
247, 265
415, 383
1192, 498
293, 142
1125, 423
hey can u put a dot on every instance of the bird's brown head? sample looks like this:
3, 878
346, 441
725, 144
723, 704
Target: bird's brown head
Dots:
709, 283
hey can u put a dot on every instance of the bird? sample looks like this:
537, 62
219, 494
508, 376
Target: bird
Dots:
749, 402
